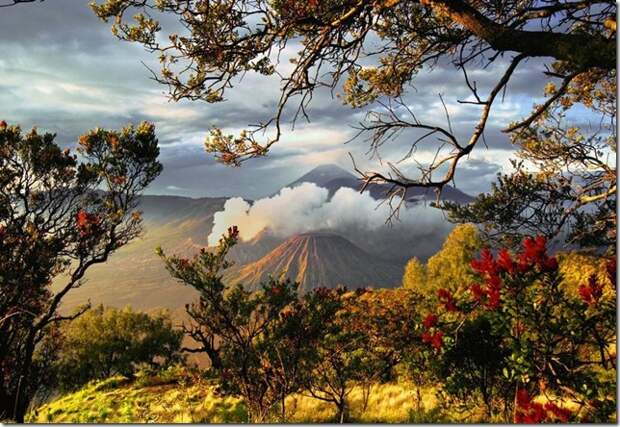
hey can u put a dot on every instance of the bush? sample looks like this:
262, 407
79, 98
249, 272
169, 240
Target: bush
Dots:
107, 341
557, 343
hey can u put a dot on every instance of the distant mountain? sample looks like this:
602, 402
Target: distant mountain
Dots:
135, 275
319, 260
333, 177
323, 176
180, 225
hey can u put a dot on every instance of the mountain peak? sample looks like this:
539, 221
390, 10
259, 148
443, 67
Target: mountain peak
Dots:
319, 259
322, 175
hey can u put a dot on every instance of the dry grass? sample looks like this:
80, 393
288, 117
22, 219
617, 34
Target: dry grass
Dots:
118, 400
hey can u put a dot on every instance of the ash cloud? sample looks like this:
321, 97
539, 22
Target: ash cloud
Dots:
308, 208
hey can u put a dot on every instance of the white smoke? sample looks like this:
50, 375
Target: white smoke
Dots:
308, 208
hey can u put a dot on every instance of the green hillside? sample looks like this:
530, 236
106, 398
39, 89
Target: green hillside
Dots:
193, 400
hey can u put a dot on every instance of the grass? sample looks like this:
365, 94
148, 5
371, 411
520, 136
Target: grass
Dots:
163, 399
118, 400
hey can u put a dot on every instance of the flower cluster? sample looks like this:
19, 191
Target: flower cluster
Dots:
447, 299
86, 223
435, 339
533, 254
530, 412
429, 321
490, 270
592, 292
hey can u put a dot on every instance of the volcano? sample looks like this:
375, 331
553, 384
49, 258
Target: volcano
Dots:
319, 260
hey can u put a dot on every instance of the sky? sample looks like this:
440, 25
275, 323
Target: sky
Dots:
63, 71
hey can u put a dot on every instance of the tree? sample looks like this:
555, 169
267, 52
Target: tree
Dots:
414, 276
471, 369
107, 341
261, 344
373, 50
385, 319
450, 266
559, 344
570, 192
58, 217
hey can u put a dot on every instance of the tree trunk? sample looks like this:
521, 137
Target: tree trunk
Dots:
418, 397
343, 411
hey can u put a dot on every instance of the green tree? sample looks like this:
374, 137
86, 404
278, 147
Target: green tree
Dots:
262, 345
107, 341
58, 217
450, 266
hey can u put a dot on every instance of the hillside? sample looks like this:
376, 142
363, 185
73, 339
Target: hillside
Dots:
186, 400
319, 260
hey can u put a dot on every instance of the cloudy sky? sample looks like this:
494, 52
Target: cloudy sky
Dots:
63, 71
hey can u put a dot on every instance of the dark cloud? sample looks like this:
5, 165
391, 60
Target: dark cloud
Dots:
63, 71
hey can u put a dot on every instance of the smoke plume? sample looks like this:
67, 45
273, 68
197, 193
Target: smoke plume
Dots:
308, 208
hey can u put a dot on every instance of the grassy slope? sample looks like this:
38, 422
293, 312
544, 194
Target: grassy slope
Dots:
118, 400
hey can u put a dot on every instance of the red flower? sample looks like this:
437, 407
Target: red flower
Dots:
86, 223
477, 291
486, 263
494, 299
591, 292
533, 412
426, 337
184, 262
447, 299
505, 262
535, 253
437, 340
429, 321
3, 125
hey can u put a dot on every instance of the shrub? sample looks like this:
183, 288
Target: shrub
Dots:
107, 341
557, 343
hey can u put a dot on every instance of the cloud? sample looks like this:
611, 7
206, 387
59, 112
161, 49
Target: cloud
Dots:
64, 72
308, 208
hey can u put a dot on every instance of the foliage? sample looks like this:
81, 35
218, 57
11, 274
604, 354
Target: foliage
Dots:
558, 343
471, 369
449, 267
415, 274
58, 217
261, 344
108, 342
569, 189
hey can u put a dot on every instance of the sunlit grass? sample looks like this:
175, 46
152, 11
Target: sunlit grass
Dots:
118, 400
